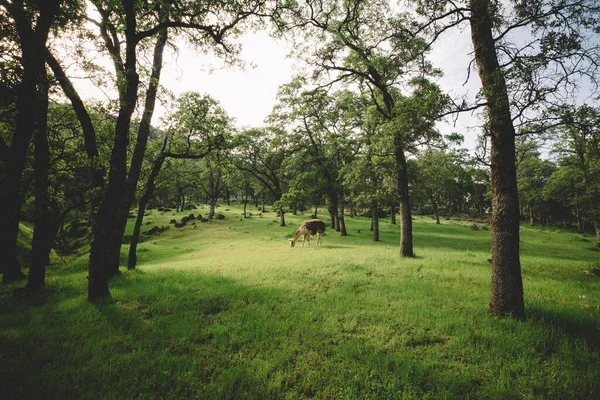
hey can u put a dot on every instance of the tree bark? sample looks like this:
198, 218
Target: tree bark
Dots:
150, 185
332, 208
392, 215
111, 219
107, 223
435, 210
375, 221
406, 239
343, 231
41, 244
32, 41
281, 217
506, 285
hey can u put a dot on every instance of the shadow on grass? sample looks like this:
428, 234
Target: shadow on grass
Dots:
574, 325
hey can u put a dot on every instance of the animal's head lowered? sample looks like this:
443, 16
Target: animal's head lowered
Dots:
292, 242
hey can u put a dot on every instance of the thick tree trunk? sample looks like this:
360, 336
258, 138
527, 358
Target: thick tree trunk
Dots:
41, 244
341, 219
33, 44
406, 239
375, 221
506, 285
211, 208
150, 185
281, 217
333, 209
436, 211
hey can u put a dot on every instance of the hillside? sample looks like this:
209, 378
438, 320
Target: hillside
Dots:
228, 310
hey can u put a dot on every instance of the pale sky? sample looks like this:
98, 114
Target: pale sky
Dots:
249, 94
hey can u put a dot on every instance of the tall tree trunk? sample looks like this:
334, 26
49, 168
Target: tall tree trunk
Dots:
375, 221
506, 285
139, 151
406, 238
393, 215
111, 218
211, 207
316, 209
150, 185
343, 231
281, 217
332, 208
32, 41
41, 244
436, 211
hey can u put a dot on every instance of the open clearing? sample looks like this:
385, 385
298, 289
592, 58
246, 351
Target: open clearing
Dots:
228, 310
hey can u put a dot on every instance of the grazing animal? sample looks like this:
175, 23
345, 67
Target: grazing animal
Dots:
307, 229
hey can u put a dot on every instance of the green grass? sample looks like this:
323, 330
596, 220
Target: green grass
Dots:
229, 310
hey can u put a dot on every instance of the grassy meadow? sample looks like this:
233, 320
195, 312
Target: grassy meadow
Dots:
228, 310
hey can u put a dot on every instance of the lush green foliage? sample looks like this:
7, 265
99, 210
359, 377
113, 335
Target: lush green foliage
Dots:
228, 310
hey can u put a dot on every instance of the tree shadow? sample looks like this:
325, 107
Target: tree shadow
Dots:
576, 326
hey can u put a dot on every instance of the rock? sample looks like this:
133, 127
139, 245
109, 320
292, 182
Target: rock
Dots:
220, 216
474, 227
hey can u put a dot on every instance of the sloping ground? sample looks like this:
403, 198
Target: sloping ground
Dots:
228, 310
